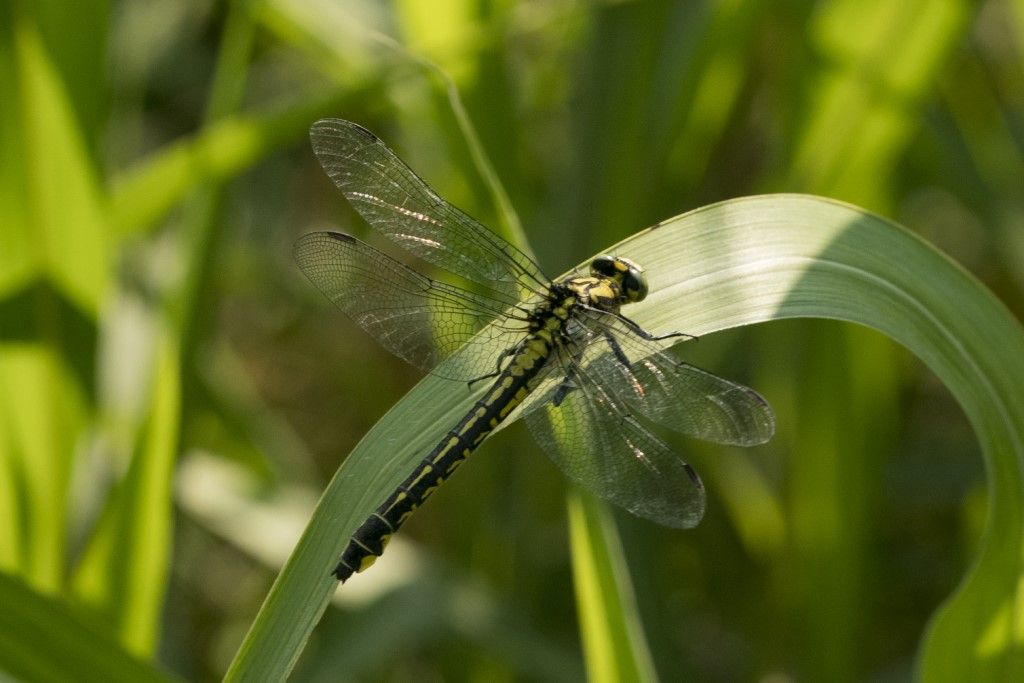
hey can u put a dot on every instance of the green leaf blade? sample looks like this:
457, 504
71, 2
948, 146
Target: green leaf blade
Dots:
735, 263
803, 256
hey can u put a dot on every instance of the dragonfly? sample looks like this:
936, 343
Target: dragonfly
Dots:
559, 354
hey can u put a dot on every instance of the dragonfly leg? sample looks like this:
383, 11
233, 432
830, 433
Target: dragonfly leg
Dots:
481, 378
569, 383
653, 337
616, 349
507, 353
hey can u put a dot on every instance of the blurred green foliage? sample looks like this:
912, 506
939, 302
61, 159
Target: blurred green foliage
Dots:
173, 397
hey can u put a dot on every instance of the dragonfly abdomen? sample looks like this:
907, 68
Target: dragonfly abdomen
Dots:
510, 388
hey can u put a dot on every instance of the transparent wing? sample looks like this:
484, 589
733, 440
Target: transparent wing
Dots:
432, 325
601, 447
583, 413
400, 205
668, 391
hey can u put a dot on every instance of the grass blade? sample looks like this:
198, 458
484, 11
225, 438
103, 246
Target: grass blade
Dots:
613, 643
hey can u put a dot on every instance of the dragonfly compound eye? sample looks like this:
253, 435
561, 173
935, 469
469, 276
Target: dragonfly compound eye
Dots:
605, 266
634, 282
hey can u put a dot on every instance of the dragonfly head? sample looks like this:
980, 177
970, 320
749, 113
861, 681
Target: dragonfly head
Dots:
628, 274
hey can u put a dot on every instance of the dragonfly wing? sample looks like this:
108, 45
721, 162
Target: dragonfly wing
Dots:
432, 325
400, 205
672, 393
601, 447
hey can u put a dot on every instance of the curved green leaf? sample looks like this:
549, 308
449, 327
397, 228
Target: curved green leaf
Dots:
736, 263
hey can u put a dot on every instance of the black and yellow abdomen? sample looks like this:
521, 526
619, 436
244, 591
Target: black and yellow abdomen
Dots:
512, 386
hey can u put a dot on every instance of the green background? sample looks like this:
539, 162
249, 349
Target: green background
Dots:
174, 397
